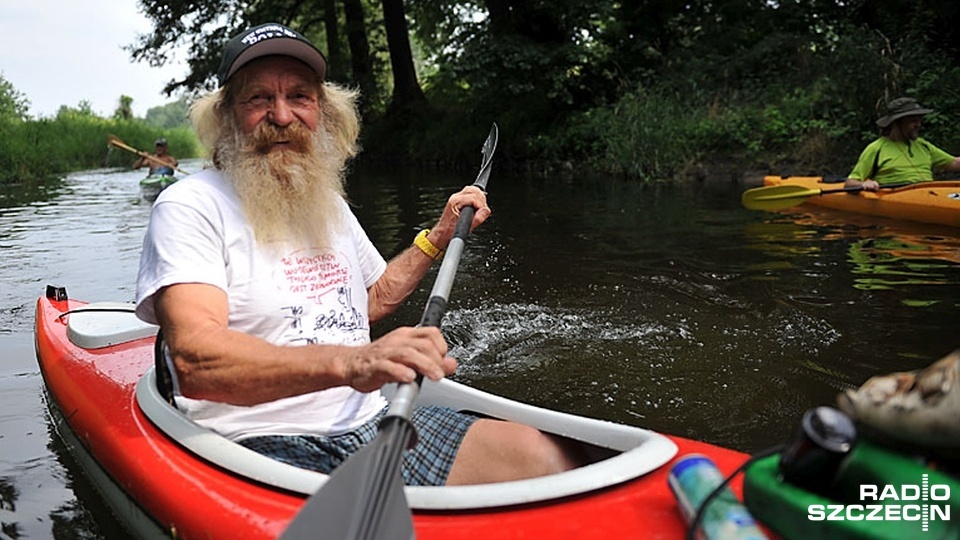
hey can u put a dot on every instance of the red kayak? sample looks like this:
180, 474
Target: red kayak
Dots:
165, 476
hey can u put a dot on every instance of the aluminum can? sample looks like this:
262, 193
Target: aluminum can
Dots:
691, 479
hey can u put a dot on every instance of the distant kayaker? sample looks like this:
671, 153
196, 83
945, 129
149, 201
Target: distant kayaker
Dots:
900, 155
157, 160
265, 285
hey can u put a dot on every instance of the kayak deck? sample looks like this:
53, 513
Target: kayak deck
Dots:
924, 202
151, 186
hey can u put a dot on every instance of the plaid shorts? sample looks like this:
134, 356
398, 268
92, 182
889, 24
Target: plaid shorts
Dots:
440, 431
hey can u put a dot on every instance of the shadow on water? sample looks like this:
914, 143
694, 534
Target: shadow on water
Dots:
29, 192
85, 515
42, 495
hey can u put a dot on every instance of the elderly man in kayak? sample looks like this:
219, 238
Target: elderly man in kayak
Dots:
900, 155
265, 285
160, 162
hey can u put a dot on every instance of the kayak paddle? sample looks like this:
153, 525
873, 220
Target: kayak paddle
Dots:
364, 498
113, 140
787, 195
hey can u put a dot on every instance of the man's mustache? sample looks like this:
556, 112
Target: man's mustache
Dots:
266, 136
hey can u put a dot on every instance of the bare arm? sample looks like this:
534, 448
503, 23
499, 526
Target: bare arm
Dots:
953, 165
216, 363
405, 271
867, 185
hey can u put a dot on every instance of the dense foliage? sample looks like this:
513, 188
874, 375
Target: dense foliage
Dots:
76, 138
649, 88
169, 116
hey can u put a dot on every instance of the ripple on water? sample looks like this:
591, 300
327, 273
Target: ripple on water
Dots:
507, 336
698, 369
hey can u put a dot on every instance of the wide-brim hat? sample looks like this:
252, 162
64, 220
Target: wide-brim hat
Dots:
900, 107
265, 40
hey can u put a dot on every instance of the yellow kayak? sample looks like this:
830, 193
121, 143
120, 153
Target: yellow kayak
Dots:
925, 202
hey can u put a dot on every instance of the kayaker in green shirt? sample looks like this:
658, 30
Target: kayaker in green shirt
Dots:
900, 155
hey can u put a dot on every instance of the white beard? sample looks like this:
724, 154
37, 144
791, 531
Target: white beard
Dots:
289, 195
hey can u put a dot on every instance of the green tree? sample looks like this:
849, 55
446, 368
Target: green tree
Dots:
171, 115
13, 104
336, 68
406, 89
83, 109
202, 26
361, 60
125, 109
747, 78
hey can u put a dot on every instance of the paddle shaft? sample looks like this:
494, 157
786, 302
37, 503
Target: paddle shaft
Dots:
818, 192
120, 144
406, 396
786, 195
396, 431
857, 189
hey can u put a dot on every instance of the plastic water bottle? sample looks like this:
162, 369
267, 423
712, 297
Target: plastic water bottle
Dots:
691, 479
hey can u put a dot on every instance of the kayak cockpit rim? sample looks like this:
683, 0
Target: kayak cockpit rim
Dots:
622, 452
636, 451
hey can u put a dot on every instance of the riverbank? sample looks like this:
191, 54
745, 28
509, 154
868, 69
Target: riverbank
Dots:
657, 141
648, 145
35, 149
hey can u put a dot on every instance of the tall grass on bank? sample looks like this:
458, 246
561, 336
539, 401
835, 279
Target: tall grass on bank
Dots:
37, 149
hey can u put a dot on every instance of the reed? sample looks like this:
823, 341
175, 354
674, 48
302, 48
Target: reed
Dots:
44, 148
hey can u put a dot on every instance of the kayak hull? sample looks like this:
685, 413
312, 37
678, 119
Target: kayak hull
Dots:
151, 186
159, 487
924, 202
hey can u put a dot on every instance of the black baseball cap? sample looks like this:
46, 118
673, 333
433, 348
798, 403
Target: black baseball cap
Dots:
265, 40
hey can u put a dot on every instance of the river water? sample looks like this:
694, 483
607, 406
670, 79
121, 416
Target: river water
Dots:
669, 307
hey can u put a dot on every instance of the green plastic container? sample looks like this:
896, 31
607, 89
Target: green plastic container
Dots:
785, 508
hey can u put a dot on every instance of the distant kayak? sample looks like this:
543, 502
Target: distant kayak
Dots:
925, 202
151, 186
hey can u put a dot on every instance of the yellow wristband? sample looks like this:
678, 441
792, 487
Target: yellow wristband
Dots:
427, 246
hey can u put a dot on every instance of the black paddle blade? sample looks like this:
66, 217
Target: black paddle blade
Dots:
363, 499
489, 147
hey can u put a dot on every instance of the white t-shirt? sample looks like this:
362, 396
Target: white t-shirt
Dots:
286, 295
